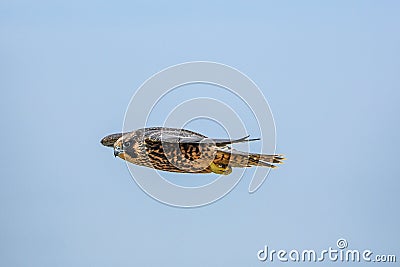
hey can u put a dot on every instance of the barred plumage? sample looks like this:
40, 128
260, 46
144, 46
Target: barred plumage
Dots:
184, 151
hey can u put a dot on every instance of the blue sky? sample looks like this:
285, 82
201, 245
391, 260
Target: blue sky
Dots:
68, 70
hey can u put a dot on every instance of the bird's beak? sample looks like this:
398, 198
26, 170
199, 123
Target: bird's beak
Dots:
118, 151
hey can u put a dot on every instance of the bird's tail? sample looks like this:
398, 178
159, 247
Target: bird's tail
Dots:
236, 158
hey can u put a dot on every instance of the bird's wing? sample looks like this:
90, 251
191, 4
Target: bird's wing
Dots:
198, 139
109, 140
223, 142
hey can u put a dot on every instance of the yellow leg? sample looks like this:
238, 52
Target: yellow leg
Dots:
219, 169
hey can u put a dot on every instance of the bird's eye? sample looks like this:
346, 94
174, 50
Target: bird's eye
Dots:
126, 144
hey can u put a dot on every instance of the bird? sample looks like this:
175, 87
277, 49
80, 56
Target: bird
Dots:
184, 151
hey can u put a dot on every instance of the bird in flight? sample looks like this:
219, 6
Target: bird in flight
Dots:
184, 151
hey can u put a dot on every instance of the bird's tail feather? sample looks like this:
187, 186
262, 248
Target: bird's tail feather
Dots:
241, 159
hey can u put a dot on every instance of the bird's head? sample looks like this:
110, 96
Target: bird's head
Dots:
121, 146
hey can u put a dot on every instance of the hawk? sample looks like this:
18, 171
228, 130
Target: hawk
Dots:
184, 151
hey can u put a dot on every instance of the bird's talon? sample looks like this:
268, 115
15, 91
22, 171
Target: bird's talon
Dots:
220, 169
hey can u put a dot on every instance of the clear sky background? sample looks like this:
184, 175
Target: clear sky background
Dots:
329, 69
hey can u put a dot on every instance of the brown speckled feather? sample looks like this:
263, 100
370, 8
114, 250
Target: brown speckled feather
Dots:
184, 151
